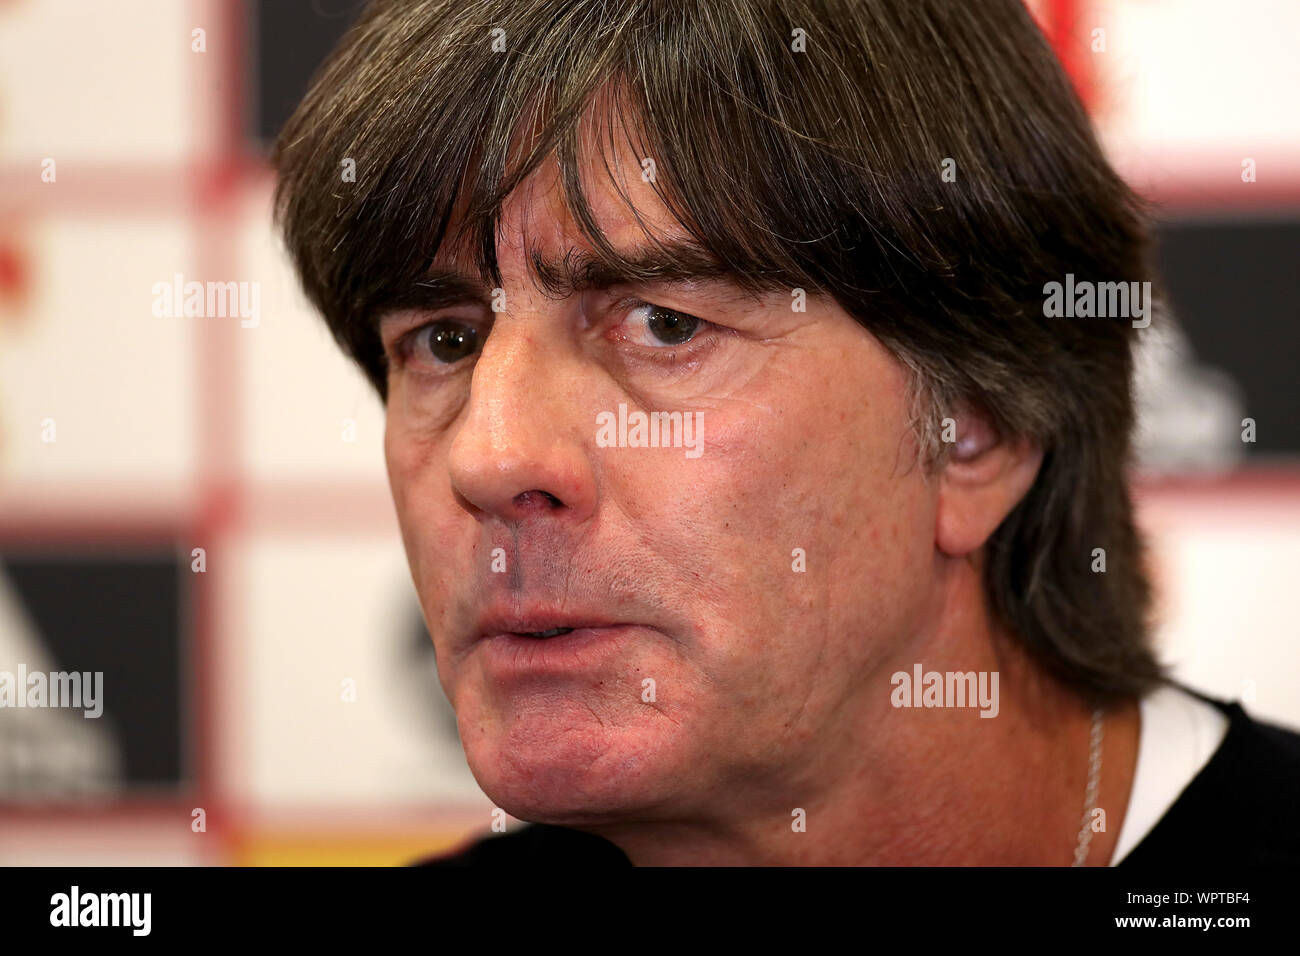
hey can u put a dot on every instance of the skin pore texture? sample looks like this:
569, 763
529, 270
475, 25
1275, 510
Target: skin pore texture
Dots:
772, 687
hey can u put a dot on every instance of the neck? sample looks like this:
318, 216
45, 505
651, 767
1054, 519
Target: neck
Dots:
924, 785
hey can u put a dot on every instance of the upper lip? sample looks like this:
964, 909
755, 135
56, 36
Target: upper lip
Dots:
533, 620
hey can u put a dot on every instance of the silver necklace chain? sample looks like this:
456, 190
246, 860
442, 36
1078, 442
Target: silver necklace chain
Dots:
1090, 797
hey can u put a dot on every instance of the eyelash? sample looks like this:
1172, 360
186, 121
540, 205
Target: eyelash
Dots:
708, 336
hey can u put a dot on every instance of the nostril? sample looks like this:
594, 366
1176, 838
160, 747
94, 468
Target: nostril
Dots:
524, 498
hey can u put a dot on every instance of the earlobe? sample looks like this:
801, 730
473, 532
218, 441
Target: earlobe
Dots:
984, 478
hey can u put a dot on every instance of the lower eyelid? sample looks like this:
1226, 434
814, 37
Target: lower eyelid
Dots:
677, 355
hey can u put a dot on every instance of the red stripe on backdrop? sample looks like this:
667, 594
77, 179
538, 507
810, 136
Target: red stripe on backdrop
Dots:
216, 183
1072, 45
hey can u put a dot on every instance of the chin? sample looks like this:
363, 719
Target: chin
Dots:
586, 774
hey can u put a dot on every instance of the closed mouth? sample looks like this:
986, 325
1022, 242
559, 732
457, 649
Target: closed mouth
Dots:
541, 624
553, 632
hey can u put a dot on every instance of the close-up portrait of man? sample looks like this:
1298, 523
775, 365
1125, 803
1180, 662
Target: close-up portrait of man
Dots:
759, 408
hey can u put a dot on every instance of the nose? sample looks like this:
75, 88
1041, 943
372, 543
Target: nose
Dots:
520, 450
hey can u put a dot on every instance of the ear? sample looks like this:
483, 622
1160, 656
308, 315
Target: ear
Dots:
983, 480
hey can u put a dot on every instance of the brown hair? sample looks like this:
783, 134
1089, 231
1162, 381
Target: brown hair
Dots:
802, 143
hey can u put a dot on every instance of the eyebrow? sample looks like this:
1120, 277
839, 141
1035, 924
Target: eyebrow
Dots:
676, 261
672, 262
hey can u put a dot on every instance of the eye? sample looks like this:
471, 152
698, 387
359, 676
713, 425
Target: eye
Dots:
444, 342
656, 326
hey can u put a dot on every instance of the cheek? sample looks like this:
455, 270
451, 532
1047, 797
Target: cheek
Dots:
418, 480
407, 464
800, 535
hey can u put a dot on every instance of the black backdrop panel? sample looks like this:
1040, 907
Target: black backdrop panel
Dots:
123, 613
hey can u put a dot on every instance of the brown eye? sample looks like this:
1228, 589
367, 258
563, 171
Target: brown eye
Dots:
655, 326
669, 327
447, 340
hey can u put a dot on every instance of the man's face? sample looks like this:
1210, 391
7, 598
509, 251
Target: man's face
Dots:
733, 605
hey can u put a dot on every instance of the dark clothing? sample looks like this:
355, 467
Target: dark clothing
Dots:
535, 844
1242, 809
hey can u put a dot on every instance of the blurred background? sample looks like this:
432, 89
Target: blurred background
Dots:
197, 507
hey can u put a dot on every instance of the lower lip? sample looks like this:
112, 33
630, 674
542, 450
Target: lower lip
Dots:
512, 656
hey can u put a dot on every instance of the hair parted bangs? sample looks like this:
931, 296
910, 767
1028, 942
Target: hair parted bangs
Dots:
435, 123
924, 162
